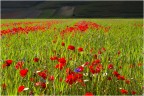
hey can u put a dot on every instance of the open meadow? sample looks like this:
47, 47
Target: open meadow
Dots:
72, 57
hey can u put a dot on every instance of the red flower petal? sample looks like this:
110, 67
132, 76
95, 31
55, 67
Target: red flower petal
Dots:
21, 88
89, 94
23, 72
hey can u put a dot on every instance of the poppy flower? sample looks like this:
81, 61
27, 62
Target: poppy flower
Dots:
120, 67
89, 94
80, 49
78, 75
4, 65
62, 60
123, 91
133, 92
19, 65
71, 47
127, 81
21, 88
116, 73
36, 59
4, 86
63, 44
32, 79
23, 72
95, 69
43, 85
92, 70
42, 74
70, 79
9, 62
95, 56
96, 62
60, 66
99, 52
86, 63
110, 66
54, 58
119, 77
119, 52
103, 49
69, 71
60, 79
109, 78
31, 93
51, 78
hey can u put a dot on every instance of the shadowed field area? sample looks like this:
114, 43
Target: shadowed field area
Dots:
76, 9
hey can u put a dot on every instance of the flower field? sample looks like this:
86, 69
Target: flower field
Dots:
72, 57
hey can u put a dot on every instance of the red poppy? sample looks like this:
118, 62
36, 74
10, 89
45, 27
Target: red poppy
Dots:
89, 94
60, 79
96, 62
60, 66
43, 85
103, 49
80, 49
4, 86
92, 70
95, 69
120, 67
110, 66
9, 62
86, 63
23, 72
63, 44
116, 73
62, 60
133, 92
99, 52
21, 88
36, 59
95, 56
54, 58
4, 65
51, 78
32, 79
69, 71
78, 75
109, 78
19, 65
127, 81
42, 74
71, 47
123, 91
119, 52
70, 79
31, 93
119, 77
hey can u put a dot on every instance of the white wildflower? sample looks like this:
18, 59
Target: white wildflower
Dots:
26, 88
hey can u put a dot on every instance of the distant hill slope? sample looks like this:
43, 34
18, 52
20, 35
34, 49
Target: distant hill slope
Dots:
68, 9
